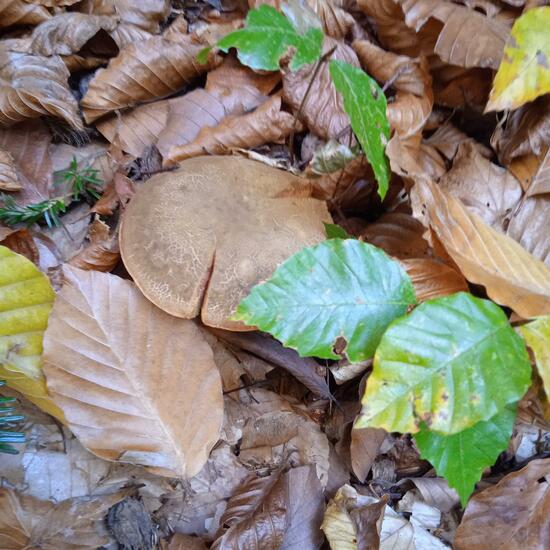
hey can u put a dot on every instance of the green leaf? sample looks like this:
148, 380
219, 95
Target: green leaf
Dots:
334, 231
267, 37
453, 362
537, 336
365, 104
340, 293
461, 458
524, 72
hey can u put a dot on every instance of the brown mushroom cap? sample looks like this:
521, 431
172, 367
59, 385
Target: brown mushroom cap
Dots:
198, 239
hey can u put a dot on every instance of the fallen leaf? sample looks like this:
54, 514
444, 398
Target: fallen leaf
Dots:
512, 276
454, 44
515, 510
537, 336
26, 300
364, 448
126, 34
524, 73
336, 21
19, 12
32, 86
119, 397
67, 33
540, 183
185, 542
268, 123
21, 242
102, 252
26, 522
171, 262
8, 175
282, 511
165, 64
322, 111
460, 88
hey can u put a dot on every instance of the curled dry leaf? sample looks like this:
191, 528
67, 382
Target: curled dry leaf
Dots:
9, 180
102, 253
125, 34
364, 448
26, 522
145, 389
282, 511
516, 511
411, 78
187, 251
67, 33
19, 12
164, 63
32, 86
454, 44
267, 124
20, 241
511, 275
460, 88
323, 110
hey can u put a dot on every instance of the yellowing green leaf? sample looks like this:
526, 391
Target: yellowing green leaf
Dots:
537, 336
524, 72
26, 299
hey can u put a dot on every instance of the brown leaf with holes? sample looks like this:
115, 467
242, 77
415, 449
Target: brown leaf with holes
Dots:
511, 276
9, 181
67, 33
155, 68
26, 522
454, 44
323, 111
32, 86
145, 389
200, 238
19, 12
515, 511
102, 252
267, 124
279, 512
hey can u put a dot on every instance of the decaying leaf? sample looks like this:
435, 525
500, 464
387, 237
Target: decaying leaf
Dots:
26, 522
20, 12
364, 448
25, 302
178, 258
32, 86
267, 124
165, 64
512, 276
185, 542
515, 510
537, 336
9, 180
540, 184
145, 389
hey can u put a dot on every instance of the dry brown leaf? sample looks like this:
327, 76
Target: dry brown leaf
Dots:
9, 181
77, 523
145, 389
145, 14
279, 512
20, 241
323, 111
249, 216
185, 542
511, 275
102, 253
433, 279
19, 12
267, 124
515, 513
67, 33
454, 44
540, 183
126, 34
142, 71
364, 448
447, 139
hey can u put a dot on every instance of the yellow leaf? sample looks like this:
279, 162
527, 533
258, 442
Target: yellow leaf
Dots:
537, 336
26, 299
524, 72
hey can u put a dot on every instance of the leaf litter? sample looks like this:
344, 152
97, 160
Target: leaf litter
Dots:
162, 163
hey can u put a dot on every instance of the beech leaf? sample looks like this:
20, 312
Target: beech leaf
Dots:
338, 294
451, 363
537, 336
266, 38
524, 72
144, 387
461, 458
365, 103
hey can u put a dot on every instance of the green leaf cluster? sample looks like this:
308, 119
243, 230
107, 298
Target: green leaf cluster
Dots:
450, 372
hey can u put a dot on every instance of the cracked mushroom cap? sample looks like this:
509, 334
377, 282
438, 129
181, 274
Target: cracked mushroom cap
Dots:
198, 239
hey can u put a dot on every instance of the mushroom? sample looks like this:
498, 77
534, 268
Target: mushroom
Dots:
196, 240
